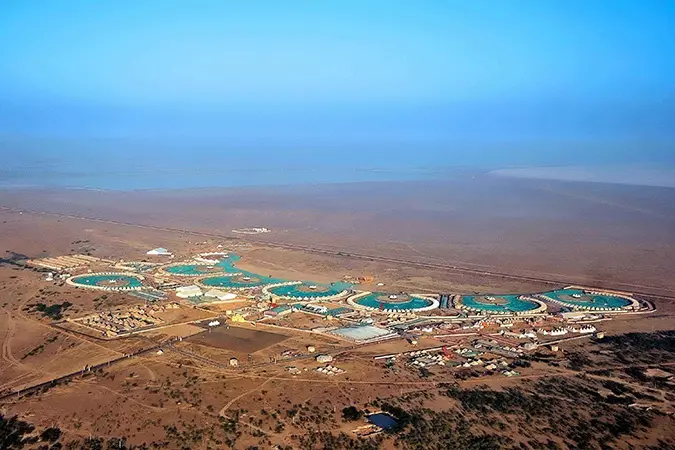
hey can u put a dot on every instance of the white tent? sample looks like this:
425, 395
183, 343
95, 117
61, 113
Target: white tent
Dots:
159, 251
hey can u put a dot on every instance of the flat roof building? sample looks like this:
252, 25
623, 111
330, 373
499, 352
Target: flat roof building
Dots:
188, 291
278, 311
220, 295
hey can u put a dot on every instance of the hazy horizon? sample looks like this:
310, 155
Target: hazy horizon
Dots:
158, 89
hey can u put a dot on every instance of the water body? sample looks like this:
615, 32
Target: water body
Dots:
383, 420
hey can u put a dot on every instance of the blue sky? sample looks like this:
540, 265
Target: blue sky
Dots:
356, 70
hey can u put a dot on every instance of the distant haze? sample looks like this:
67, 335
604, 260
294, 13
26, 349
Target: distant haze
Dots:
174, 94
638, 176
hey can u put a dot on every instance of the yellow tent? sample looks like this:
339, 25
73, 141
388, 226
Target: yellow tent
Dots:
237, 318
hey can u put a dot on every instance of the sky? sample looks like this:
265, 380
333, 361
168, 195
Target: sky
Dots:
440, 76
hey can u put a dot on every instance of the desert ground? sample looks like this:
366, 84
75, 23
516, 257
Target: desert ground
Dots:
462, 236
587, 233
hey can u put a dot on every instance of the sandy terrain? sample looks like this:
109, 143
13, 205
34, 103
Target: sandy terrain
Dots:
616, 236
582, 232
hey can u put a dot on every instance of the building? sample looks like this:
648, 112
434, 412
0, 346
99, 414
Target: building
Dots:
220, 295
318, 309
324, 358
278, 311
188, 291
159, 251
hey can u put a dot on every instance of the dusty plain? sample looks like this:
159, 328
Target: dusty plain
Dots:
470, 234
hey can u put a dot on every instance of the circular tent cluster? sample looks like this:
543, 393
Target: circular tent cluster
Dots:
108, 281
220, 273
217, 270
298, 290
392, 302
193, 270
204, 265
500, 304
579, 299
235, 281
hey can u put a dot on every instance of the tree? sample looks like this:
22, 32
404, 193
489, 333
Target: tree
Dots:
351, 413
12, 433
51, 434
